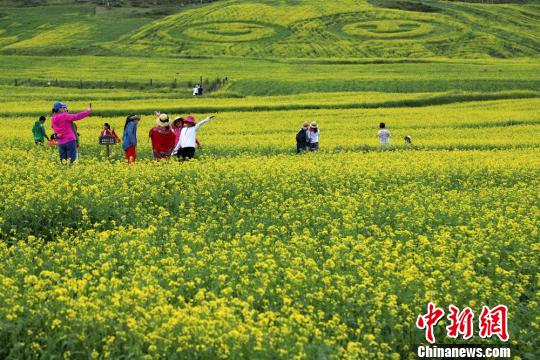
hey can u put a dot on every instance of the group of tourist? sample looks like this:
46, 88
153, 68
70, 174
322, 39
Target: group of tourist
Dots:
307, 137
177, 138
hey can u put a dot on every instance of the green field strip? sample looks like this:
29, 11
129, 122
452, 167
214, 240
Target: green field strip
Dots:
429, 101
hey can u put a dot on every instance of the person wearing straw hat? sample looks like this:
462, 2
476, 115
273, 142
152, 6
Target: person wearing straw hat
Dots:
313, 136
162, 137
185, 148
176, 127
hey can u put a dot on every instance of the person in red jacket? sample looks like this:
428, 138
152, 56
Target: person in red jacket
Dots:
162, 137
107, 131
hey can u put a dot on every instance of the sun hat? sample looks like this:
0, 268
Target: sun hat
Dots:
313, 125
163, 120
178, 120
59, 105
190, 119
306, 124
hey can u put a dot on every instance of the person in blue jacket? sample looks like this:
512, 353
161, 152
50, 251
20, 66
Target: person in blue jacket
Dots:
129, 138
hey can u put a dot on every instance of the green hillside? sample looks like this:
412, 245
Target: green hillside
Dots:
277, 29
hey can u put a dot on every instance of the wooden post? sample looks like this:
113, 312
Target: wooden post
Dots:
108, 150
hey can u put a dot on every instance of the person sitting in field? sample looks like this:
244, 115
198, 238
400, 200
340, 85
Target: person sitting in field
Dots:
185, 148
39, 131
302, 139
107, 131
384, 135
313, 137
162, 137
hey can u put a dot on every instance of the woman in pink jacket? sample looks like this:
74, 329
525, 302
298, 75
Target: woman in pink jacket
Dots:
62, 124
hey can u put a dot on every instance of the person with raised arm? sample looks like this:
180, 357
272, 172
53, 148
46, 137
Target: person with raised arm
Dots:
62, 123
185, 148
129, 138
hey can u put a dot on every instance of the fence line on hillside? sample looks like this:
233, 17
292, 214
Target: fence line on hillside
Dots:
208, 85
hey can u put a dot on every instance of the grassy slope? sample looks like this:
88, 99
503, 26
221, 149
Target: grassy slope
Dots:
55, 29
272, 28
264, 77
322, 46
343, 29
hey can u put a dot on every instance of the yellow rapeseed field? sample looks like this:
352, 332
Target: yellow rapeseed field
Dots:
252, 251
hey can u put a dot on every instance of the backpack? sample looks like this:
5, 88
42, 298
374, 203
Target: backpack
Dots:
301, 136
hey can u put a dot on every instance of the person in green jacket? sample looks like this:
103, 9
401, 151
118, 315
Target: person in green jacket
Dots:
39, 131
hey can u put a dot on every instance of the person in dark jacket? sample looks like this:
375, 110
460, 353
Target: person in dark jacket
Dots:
302, 138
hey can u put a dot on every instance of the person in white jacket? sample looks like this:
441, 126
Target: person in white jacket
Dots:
185, 147
384, 136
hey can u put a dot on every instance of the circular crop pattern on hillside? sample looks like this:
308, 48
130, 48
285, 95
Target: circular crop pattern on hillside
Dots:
382, 26
388, 29
237, 31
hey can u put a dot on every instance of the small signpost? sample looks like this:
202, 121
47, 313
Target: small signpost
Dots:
107, 140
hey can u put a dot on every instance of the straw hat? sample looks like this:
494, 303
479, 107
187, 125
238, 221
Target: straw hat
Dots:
163, 120
313, 125
306, 124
